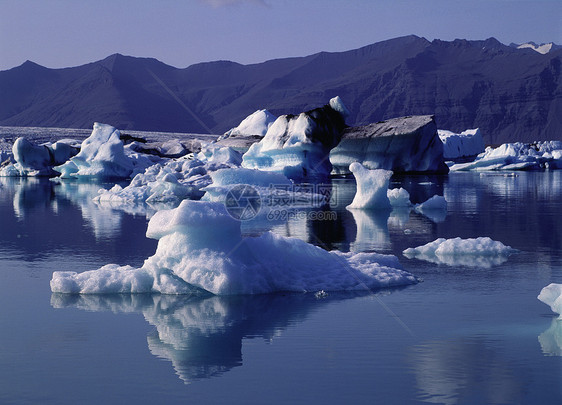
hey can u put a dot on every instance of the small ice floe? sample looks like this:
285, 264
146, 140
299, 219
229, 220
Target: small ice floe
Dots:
551, 295
435, 208
321, 294
472, 252
372, 188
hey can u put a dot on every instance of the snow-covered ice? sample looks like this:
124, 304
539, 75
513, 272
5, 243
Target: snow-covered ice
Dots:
299, 146
471, 252
201, 249
437, 202
517, 156
372, 187
172, 180
467, 143
399, 197
103, 155
551, 295
37, 160
256, 123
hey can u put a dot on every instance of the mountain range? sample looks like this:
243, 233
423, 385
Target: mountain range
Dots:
511, 94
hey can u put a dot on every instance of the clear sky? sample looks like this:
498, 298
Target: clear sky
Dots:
62, 33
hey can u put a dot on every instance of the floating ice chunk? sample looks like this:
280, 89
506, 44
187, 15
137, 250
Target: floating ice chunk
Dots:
223, 155
173, 181
437, 202
551, 295
37, 160
467, 143
299, 146
517, 156
407, 144
372, 188
472, 252
399, 197
201, 248
255, 124
435, 208
103, 154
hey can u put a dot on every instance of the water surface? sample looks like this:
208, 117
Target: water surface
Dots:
466, 334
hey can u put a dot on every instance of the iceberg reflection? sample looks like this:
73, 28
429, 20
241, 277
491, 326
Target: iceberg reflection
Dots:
551, 339
465, 370
202, 336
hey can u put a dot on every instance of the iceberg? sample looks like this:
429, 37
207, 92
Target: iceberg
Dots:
37, 160
103, 155
372, 188
256, 123
201, 251
172, 181
472, 252
551, 295
299, 146
407, 144
516, 156
467, 143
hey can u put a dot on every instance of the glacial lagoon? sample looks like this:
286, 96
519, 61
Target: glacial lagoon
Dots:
470, 332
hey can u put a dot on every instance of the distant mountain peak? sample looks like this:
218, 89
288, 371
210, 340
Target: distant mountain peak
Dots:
28, 64
543, 48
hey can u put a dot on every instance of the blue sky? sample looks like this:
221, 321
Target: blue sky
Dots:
62, 33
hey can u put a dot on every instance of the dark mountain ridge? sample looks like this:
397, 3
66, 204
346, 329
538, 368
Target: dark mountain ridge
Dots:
510, 94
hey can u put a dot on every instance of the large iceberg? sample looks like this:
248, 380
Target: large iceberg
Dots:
467, 143
517, 156
299, 146
407, 144
551, 295
200, 249
103, 155
38, 160
471, 252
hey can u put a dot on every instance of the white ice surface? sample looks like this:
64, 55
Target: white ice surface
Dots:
471, 252
256, 123
103, 155
200, 248
551, 295
172, 181
467, 143
287, 148
372, 188
516, 156
36, 160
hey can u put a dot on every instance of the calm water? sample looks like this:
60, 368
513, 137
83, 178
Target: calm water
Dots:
464, 335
